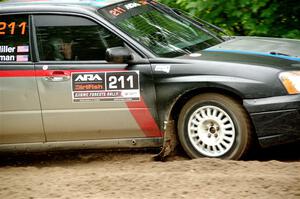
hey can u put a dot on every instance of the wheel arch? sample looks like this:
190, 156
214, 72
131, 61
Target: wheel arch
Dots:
185, 97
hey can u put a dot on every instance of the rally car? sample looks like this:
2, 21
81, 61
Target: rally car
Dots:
138, 74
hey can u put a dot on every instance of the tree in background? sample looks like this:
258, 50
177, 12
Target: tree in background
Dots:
277, 18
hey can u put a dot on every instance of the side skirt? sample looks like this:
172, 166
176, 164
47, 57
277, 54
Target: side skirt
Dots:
87, 144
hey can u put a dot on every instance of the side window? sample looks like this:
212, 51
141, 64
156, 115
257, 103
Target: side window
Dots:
14, 38
62, 37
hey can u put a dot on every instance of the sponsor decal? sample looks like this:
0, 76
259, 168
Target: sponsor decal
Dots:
132, 5
162, 68
7, 49
195, 55
120, 9
22, 58
9, 53
105, 86
7, 58
22, 49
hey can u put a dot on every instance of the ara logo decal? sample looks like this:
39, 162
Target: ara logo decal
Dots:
88, 81
88, 78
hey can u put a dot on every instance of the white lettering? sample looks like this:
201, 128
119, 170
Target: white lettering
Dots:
132, 5
81, 94
7, 49
7, 58
88, 77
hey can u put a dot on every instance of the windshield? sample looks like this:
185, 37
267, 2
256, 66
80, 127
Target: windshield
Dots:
164, 34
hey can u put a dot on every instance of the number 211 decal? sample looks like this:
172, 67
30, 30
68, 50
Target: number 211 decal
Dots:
10, 28
106, 86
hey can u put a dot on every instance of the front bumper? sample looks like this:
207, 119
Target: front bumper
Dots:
276, 119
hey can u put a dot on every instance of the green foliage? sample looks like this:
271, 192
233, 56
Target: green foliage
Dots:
277, 18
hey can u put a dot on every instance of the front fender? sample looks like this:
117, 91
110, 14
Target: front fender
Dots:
170, 90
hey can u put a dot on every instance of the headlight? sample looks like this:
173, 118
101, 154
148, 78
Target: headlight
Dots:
291, 81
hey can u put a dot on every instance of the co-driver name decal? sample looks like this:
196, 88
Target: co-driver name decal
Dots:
106, 86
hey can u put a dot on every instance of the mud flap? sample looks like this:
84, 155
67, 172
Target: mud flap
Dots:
170, 141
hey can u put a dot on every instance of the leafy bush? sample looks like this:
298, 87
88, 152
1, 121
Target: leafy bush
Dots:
277, 18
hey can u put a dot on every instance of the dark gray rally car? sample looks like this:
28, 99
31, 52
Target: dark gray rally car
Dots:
135, 74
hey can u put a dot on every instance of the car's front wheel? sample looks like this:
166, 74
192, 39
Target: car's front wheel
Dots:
214, 125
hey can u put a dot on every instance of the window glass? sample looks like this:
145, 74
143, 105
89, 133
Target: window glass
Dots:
165, 34
72, 38
14, 38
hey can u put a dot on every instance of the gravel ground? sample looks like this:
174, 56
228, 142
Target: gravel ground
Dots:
271, 173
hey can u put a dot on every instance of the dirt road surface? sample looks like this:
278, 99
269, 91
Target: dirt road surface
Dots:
272, 173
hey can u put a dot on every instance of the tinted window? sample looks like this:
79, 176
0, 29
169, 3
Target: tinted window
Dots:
14, 38
165, 34
72, 38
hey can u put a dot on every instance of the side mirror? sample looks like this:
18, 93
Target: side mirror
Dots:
118, 55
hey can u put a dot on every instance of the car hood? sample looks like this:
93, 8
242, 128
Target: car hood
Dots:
274, 47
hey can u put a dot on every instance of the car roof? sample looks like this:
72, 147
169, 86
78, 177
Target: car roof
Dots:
91, 3
53, 5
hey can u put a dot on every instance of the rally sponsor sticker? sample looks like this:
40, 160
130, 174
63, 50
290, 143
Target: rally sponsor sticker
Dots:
105, 86
22, 49
22, 58
11, 53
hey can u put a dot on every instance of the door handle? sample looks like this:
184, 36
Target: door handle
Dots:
58, 76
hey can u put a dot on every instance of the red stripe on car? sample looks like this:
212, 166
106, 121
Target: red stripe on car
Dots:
42, 73
143, 117
17, 73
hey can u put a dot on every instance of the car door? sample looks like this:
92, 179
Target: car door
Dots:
20, 112
83, 97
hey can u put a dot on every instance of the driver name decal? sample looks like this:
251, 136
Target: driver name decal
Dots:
105, 86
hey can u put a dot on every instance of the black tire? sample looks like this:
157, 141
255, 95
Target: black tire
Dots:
192, 137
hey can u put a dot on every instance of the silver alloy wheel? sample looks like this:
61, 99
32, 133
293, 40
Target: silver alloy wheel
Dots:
211, 131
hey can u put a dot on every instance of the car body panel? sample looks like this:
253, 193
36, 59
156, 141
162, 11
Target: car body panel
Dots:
90, 3
285, 48
276, 119
19, 122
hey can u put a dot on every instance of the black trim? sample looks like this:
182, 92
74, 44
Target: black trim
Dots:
79, 66
16, 66
278, 103
32, 40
